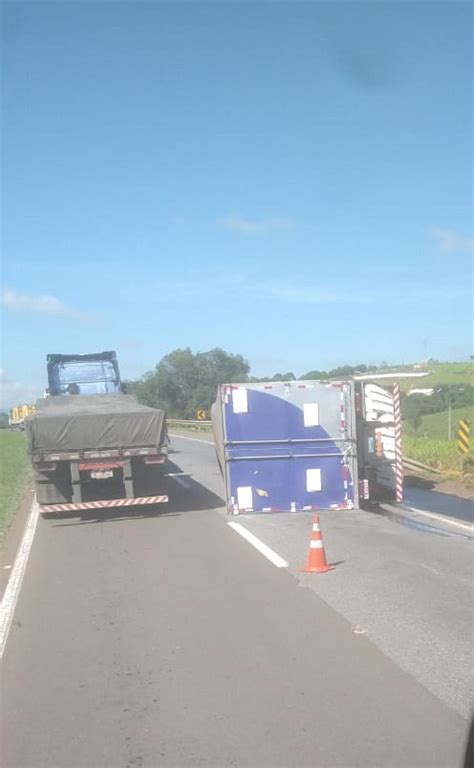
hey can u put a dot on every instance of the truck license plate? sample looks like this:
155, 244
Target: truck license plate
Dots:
102, 475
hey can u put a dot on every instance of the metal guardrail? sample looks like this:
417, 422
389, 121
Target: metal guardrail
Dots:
188, 422
412, 464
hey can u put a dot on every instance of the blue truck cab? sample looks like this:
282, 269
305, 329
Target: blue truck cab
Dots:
90, 374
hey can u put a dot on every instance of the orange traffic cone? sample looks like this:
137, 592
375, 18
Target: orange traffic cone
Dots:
317, 557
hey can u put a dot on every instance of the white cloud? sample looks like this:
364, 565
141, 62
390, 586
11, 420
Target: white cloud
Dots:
238, 223
451, 241
46, 305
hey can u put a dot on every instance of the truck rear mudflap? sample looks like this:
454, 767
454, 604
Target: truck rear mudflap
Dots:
104, 504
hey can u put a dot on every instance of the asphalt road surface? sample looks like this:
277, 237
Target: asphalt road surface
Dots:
162, 638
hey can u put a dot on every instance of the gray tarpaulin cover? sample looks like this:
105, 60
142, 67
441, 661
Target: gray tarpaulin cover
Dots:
95, 422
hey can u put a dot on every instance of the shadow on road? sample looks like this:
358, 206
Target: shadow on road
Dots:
440, 503
184, 493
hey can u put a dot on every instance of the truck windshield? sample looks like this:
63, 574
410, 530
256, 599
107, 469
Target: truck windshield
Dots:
84, 378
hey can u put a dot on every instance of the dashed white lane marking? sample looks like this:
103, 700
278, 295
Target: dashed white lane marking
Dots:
258, 544
194, 439
12, 592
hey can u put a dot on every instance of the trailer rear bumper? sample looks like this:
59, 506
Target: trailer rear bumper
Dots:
104, 504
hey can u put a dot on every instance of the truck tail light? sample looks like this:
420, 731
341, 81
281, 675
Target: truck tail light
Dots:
154, 459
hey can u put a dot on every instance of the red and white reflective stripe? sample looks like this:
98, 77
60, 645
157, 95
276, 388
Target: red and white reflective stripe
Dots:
398, 442
104, 504
316, 526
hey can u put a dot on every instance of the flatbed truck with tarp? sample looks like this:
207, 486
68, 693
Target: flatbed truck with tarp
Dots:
92, 445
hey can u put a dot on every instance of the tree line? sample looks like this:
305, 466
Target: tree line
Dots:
185, 381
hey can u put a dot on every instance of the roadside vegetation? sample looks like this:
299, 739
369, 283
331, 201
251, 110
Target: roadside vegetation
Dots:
441, 455
430, 422
15, 473
184, 382
435, 426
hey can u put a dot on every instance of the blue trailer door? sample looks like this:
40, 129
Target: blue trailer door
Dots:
288, 446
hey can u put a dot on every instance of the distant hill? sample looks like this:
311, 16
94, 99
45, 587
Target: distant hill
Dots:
435, 425
440, 374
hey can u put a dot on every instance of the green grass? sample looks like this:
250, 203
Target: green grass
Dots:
441, 374
435, 425
439, 454
15, 473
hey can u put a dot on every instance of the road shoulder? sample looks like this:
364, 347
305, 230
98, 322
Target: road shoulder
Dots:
13, 537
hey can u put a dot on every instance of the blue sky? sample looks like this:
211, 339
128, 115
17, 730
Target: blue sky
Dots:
291, 181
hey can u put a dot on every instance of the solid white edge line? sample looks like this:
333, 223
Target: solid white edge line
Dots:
258, 544
442, 519
194, 439
12, 591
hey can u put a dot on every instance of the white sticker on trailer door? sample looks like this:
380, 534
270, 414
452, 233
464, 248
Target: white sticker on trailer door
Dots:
240, 402
311, 414
244, 497
313, 480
